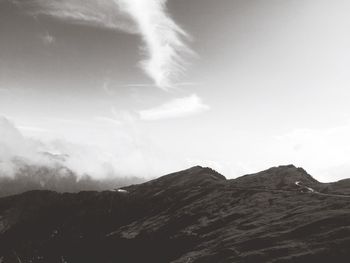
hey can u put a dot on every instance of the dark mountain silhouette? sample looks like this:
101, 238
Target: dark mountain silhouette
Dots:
277, 177
193, 216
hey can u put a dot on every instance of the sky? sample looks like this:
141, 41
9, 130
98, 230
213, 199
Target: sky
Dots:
148, 87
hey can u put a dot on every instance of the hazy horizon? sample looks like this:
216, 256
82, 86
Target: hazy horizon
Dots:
145, 88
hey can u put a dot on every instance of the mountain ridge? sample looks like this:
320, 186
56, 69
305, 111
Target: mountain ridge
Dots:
179, 219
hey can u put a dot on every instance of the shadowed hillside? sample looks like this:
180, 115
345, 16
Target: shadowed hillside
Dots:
192, 216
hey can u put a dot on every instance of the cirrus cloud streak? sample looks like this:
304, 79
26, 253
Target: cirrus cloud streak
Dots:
164, 41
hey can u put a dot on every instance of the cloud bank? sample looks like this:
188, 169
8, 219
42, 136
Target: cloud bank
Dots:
163, 40
27, 164
16, 148
13, 144
124, 155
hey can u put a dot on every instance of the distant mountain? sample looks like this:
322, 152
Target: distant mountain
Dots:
56, 177
193, 216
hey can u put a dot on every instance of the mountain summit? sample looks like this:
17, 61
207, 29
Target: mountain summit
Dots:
195, 176
192, 216
281, 177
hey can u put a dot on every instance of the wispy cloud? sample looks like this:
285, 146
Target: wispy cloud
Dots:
32, 129
118, 117
176, 108
107, 120
174, 85
163, 40
48, 39
102, 13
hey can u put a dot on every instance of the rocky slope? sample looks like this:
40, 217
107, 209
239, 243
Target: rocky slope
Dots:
193, 216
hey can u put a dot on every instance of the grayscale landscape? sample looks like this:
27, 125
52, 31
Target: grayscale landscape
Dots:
182, 131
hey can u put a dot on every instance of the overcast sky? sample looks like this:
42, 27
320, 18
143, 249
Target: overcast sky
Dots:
157, 86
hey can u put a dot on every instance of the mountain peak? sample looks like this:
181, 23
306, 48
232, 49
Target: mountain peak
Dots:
283, 176
194, 176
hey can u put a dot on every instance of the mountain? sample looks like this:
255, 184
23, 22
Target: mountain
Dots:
55, 177
282, 177
192, 216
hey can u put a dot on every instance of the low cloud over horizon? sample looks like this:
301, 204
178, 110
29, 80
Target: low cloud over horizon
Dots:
129, 157
122, 154
81, 159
